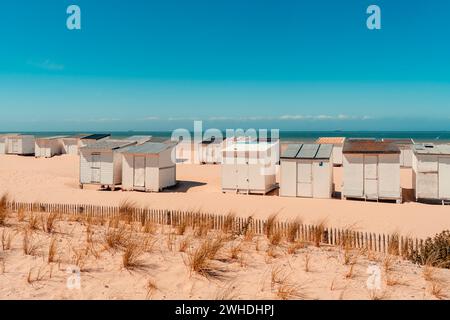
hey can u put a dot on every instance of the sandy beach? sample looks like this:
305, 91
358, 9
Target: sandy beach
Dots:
56, 180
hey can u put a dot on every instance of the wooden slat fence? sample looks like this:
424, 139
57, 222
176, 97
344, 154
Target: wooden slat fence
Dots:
382, 243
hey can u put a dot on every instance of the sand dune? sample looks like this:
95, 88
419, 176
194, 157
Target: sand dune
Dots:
56, 180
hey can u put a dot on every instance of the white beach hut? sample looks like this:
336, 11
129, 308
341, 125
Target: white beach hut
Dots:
249, 166
338, 144
71, 144
431, 172
101, 163
20, 144
4, 142
406, 152
307, 171
371, 170
149, 167
48, 147
210, 151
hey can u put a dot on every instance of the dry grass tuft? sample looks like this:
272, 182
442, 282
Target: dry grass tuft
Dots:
6, 239
126, 210
293, 229
21, 214
318, 232
149, 227
151, 288
184, 244
201, 229
429, 273
199, 260
52, 250
228, 223
39, 276
235, 250
290, 291
181, 227
29, 246
275, 237
387, 262
33, 221
3, 209
437, 289
116, 237
270, 224
48, 222
131, 258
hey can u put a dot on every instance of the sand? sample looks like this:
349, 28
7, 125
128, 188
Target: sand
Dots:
257, 271
56, 180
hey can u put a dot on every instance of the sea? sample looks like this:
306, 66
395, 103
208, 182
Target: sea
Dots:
288, 136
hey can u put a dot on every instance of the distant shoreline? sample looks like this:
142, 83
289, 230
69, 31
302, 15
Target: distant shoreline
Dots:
285, 136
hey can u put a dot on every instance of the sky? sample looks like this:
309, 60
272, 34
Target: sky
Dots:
159, 65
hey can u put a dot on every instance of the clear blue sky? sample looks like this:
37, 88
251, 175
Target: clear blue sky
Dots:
155, 65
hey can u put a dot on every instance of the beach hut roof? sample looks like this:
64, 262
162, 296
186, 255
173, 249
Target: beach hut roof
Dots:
149, 148
431, 149
97, 136
370, 146
400, 141
308, 151
139, 139
248, 146
162, 140
50, 138
331, 140
108, 145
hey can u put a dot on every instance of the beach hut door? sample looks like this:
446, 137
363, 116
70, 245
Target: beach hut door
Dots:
14, 145
139, 172
371, 176
95, 168
304, 178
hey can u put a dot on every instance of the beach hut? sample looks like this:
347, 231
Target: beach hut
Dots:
71, 144
307, 171
4, 142
93, 138
338, 144
431, 172
140, 139
48, 147
406, 152
210, 151
149, 167
371, 170
101, 162
249, 166
19, 144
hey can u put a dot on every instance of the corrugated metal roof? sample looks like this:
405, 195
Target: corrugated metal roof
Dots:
108, 144
431, 149
331, 140
370, 146
291, 151
325, 151
97, 136
149, 148
308, 151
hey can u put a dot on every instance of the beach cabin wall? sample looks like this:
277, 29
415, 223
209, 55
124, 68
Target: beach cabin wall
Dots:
149, 167
431, 172
307, 171
249, 167
406, 151
4, 142
48, 147
371, 170
101, 163
210, 151
71, 144
338, 144
20, 144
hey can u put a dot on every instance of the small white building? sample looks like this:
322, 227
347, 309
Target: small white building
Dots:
406, 152
249, 166
71, 144
4, 142
149, 167
19, 144
307, 171
371, 170
338, 144
93, 138
101, 163
431, 172
210, 151
48, 147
